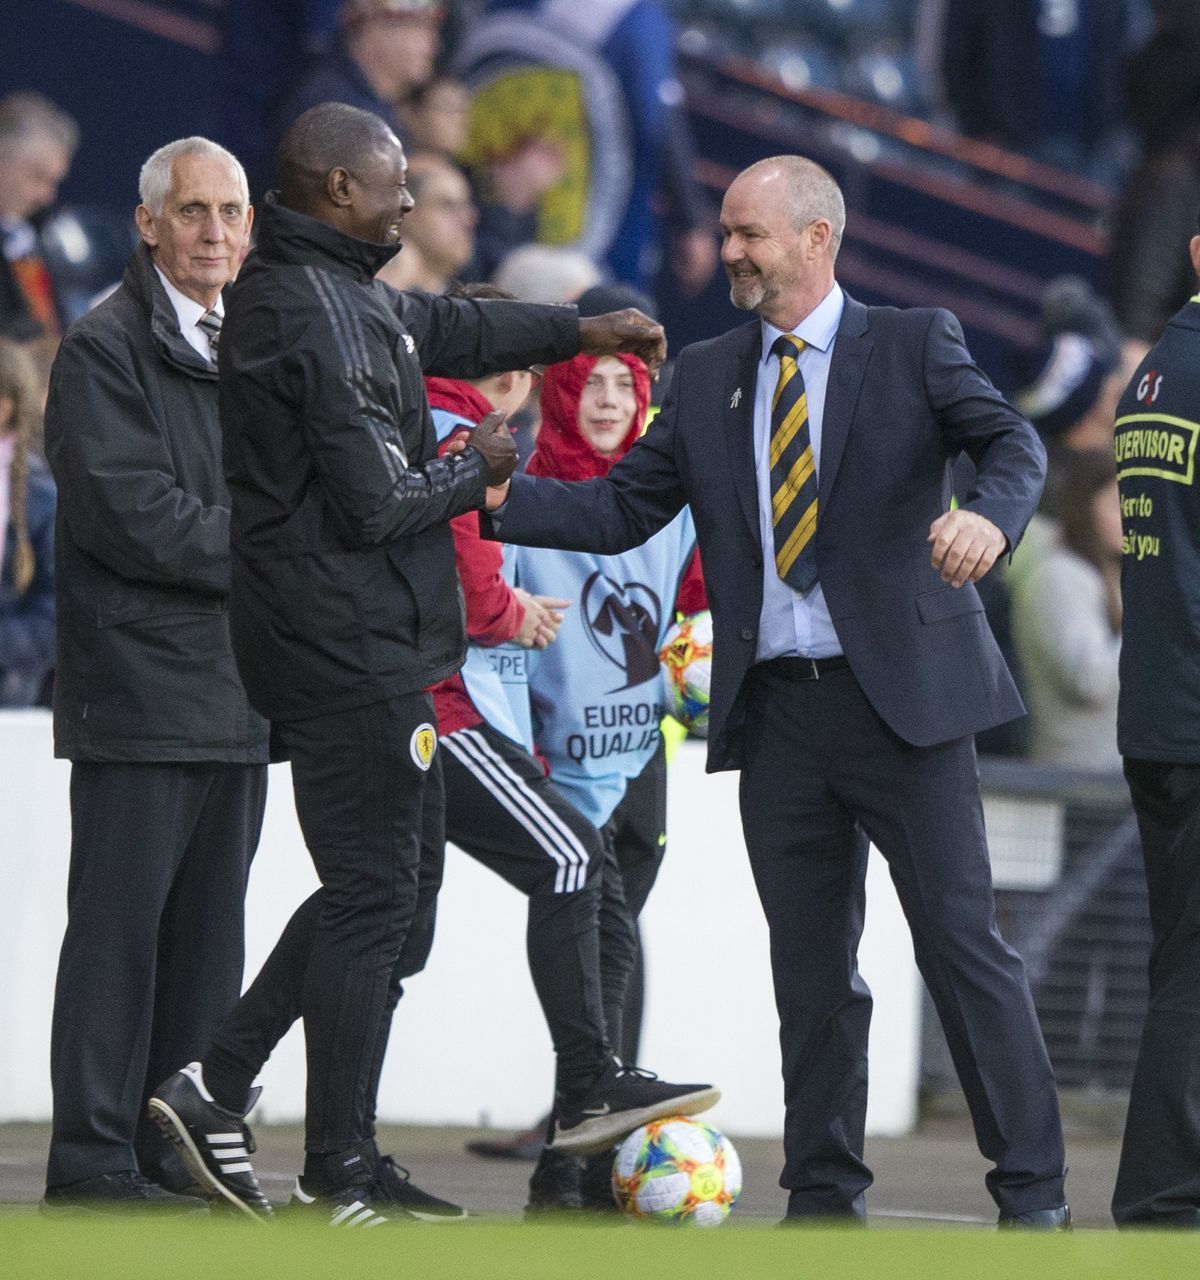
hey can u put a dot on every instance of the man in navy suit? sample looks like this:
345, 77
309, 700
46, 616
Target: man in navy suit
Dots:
852, 663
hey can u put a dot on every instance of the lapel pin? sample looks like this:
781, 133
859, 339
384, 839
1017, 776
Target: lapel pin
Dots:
735, 399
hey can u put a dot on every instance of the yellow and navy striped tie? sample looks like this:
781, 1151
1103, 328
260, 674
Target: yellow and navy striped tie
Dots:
793, 472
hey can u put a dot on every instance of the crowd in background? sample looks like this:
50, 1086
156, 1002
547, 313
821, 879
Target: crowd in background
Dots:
520, 182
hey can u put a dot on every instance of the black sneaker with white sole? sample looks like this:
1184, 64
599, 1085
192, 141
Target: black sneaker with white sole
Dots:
364, 1205
395, 1185
214, 1142
620, 1100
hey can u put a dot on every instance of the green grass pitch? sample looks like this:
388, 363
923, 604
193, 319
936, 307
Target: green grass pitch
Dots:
33, 1248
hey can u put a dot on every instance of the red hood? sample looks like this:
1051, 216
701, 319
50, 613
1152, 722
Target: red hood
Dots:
455, 396
561, 451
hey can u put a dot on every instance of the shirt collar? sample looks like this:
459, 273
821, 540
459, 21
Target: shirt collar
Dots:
187, 309
818, 328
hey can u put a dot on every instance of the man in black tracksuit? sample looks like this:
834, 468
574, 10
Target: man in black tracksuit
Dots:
345, 608
1158, 732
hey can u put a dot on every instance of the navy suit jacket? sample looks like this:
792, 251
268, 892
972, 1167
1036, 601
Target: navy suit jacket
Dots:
904, 400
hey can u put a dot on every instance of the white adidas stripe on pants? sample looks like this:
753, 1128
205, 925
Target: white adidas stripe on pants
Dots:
513, 793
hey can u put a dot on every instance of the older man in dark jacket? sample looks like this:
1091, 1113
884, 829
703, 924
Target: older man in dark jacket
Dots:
168, 779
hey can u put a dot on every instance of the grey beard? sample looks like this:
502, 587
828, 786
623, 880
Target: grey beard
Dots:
751, 300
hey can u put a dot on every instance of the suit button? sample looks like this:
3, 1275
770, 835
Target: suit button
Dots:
747, 633
756, 563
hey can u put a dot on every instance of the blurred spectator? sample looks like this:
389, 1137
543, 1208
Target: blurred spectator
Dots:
1067, 621
385, 49
1150, 275
439, 232
37, 143
26, 536
599, 79
1039, 76
1069, 304
436, 117
512, 185
1069, 391
543, 273
1071, 399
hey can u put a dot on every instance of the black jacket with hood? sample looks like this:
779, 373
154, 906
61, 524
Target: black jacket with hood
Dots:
344, 584
145, 668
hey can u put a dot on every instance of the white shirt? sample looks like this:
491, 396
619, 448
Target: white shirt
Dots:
189, 313
791, 624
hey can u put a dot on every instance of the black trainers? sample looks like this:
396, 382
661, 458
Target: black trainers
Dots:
363, 1205
555, 1185
119, 1192
622, 1099
215, 1143
394, 1184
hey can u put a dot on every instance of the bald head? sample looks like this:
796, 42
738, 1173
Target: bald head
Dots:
782, 221
803, 189
345, 167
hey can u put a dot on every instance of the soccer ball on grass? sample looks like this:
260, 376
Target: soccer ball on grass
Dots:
677, 1171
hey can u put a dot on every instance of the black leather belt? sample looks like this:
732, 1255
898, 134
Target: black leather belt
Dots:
804, 668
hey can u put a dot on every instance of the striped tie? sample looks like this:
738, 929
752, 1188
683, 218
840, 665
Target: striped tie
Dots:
793, 472
210, 323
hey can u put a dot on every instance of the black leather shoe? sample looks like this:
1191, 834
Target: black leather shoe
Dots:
213, 1142
1038, 1220
120, 1192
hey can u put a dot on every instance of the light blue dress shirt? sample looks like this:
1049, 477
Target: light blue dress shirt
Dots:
792, 624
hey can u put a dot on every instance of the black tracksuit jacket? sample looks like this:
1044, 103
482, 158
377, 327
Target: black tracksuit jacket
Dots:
345, 591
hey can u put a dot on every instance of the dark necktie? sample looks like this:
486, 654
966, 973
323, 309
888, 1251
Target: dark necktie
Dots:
793, 472
210, 323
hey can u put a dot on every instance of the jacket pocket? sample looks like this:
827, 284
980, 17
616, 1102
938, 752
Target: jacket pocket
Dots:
133, 603
948, 602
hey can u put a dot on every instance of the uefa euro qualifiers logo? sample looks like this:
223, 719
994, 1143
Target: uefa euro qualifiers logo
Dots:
621, 621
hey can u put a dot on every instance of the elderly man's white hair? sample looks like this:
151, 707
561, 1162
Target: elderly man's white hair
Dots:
812, 193
546, 273
154, 184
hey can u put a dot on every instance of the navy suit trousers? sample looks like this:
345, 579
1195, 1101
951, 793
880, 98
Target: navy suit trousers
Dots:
822, 776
